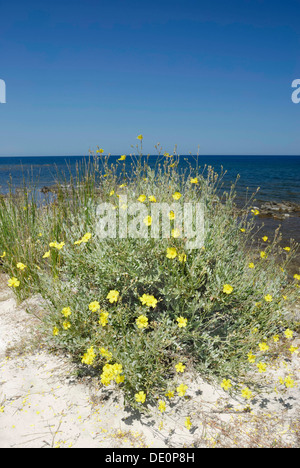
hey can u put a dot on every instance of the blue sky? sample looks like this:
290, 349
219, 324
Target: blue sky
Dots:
210, 73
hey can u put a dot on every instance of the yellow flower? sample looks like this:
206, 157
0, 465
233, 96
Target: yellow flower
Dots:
104, 352
66, 325
263, 254
293, 349
226, 384
111, 193
288, 333
140, 397
148, 300
287, 249
170, 394
182, 257
263, 346
122, 158
268, 298
161, 406
47, 254
55, 331
168, 155
275, 338
251, 265
57, 245
117, 368
89, 356
246, 393
113, 296
227, 289
139, 137
171, 252
3, 254
180, 367
297, 277
142, 198
242, 229
265, 238
142, 321
100, 150
194, 180
148, 221
255, 212
289, 383
176, 195
107, 376
119, 379
181, 389
171, 215
21, 266
66, 311
181, 322
152, 198
103, 319
251, 357
13, 282
188, 423
262, 367
86, 237
94, 306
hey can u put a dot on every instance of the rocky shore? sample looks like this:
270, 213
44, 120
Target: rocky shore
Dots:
267, 209
279, 210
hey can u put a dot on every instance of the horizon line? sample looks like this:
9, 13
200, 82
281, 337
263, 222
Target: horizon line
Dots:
148, 154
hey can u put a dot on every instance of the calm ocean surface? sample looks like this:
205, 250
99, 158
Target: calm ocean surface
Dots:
277, 176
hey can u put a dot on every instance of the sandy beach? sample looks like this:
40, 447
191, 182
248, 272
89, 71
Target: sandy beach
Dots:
43, 404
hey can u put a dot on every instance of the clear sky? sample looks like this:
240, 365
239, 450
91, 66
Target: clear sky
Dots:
211, 73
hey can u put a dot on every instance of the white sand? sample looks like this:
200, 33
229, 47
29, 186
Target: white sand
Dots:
44, 404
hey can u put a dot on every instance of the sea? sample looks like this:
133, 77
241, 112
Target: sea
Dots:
277, 177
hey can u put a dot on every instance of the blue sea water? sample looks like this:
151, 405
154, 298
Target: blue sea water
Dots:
277, 176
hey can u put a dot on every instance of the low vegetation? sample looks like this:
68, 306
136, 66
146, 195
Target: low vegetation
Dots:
140, 312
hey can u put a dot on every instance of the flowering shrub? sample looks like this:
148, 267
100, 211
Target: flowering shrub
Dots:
141, 312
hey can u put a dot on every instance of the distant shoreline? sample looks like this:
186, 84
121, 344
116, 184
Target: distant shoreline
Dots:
277, 176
